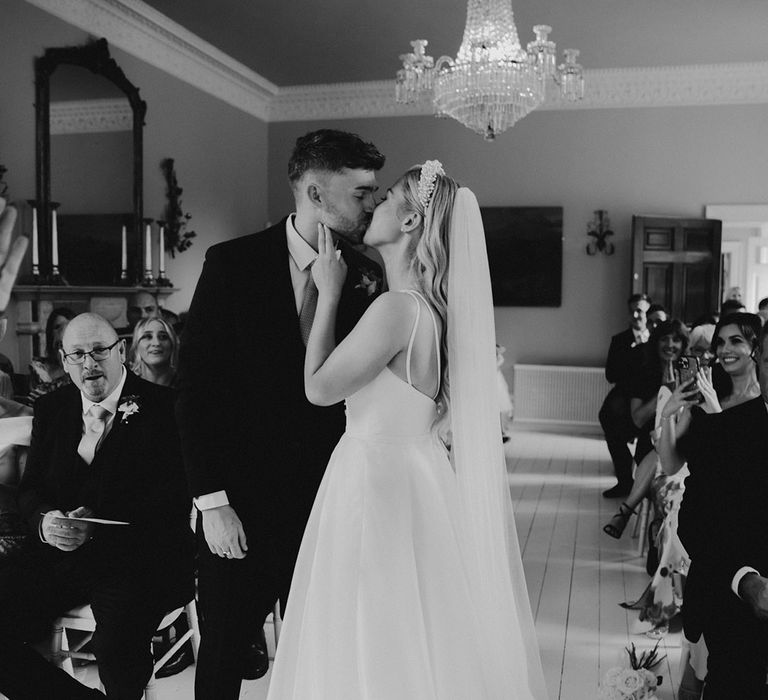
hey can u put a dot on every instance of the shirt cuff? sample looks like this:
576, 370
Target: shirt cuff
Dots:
740, 574
40, 530
211, 500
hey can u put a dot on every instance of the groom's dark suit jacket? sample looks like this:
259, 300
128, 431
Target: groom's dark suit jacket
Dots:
723, 518
245, 422
136, 476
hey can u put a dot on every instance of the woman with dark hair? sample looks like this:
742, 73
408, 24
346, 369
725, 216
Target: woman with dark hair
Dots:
735, 346
731, 382
650, 389
47, 373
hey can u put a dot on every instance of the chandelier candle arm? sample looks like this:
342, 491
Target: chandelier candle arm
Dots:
492, 82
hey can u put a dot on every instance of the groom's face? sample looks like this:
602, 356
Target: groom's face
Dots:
348, 202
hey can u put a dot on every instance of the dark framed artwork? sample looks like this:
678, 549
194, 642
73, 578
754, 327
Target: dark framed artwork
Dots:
525, 254
90, 248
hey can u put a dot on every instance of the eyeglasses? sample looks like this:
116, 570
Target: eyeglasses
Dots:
78, 356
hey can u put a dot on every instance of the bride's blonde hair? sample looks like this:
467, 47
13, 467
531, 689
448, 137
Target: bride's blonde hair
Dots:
431, 255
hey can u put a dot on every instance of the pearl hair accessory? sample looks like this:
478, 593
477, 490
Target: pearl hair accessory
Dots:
429, 172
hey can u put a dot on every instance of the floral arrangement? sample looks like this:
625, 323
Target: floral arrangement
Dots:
177, 237
638, 682
128, 406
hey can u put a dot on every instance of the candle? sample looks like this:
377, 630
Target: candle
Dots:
162, 251
55, 242
124, 253
35, 258
148, 250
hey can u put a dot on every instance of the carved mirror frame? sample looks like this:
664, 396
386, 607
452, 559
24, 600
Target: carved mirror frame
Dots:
95, 57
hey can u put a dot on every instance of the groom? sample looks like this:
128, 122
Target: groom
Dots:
255, 449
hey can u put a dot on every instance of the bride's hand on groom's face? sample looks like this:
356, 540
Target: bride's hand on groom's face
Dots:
329, 270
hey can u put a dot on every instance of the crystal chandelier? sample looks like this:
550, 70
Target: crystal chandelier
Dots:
492, 82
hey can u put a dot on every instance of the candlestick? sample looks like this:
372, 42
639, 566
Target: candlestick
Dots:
35, 258
162, 249
148, 249
54, 241
56, 277
149, 280
123, 257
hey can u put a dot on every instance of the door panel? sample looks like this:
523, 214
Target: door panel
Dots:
677, 263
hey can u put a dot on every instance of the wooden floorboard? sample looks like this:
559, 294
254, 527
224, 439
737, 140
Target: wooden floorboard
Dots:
577, 575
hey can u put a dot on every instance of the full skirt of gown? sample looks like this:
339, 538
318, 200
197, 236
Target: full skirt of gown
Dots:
380, 606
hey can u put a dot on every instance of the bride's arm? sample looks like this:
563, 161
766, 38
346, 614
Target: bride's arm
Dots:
332, 373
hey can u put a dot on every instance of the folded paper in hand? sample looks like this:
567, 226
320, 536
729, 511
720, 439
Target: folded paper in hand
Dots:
100, 521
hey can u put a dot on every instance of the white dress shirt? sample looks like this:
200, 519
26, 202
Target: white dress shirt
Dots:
110, 403
301, 255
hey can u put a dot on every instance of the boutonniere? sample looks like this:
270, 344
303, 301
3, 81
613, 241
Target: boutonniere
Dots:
369, 282
128, 406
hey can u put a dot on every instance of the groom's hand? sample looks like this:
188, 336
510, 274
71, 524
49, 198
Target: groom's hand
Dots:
224, 532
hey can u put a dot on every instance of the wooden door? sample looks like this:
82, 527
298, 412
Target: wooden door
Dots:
677, 263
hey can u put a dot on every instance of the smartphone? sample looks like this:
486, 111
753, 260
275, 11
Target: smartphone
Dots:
686, 367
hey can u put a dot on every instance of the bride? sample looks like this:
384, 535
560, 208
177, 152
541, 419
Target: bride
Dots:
409, 583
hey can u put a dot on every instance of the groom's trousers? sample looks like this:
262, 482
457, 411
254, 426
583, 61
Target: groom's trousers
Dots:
235, 594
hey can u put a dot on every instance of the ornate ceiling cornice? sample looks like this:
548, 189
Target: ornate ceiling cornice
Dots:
90, 116
141, 31
147, 34
674, 86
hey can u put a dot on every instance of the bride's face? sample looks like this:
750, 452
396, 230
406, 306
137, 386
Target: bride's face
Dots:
386, 222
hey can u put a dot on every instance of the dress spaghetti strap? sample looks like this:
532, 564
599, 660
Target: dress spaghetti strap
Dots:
416, 296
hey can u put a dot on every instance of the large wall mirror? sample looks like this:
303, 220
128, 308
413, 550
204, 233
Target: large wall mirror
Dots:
89, 165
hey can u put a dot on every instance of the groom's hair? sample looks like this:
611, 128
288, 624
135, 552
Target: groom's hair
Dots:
332, 151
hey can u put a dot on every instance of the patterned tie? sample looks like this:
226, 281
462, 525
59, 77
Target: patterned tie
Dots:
308, 307
95, 424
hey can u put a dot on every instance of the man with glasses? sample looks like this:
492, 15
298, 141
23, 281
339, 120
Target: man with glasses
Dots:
107, 447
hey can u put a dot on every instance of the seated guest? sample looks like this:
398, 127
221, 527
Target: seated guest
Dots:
731, 306
655, 315
104, 446
614, 414
14, 439
154, 351
722, 518
762, 310
47, 373
649, 391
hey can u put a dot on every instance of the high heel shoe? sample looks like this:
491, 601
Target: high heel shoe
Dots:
615, 528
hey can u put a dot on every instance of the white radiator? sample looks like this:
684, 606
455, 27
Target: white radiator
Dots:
555, 397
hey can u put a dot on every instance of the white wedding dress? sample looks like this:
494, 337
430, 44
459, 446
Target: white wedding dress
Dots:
380, 606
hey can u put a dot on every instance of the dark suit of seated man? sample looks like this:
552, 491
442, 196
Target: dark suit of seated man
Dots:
122, 465
615, 415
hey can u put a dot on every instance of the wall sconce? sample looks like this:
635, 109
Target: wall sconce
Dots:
599, 229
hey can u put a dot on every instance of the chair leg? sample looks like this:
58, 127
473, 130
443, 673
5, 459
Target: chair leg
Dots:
277, 621
194, 625
54, 653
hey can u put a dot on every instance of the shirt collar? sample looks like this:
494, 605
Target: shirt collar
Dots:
301, 252
110, 403
641, 336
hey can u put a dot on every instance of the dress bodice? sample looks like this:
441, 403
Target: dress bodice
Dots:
388, 407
